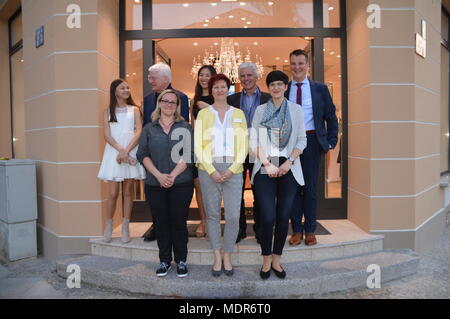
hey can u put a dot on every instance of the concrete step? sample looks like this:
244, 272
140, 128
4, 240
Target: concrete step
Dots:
345, 240
303, 278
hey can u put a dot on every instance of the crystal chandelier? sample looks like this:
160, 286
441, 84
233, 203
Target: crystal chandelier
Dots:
228, 61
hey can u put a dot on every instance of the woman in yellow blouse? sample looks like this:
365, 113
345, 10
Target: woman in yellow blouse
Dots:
221, 146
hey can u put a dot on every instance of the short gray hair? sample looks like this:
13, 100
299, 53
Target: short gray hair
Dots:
250, 65
163, 69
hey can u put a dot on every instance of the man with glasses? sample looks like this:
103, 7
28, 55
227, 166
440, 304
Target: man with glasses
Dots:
160, 78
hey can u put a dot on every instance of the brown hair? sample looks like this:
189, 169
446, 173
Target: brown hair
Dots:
113, 99
298, 53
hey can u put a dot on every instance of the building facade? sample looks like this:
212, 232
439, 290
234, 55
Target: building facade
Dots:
389, 174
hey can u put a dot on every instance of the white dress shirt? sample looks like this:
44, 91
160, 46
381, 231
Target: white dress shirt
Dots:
306, 102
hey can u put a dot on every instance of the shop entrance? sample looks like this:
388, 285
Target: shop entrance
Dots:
263, 32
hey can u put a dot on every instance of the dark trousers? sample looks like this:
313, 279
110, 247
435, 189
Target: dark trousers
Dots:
275, 197
242, 220
170, 209
305, 204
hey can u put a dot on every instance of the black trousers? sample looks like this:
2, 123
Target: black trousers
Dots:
275, 197
242, 220
170, 209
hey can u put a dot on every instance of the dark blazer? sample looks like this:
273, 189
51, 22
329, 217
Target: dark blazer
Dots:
150, 106
235, 99
324, 111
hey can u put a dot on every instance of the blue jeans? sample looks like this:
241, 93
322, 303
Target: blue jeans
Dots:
305, 203
275, 197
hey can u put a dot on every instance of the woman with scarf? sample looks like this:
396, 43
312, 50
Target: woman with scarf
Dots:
277, 139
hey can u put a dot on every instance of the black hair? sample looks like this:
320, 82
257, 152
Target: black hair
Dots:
277, 76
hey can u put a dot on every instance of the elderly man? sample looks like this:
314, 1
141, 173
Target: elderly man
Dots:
322, 135
160, 78
248, 100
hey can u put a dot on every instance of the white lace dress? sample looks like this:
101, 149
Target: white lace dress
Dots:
122, 132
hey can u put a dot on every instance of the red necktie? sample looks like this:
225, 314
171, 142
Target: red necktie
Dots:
299, 93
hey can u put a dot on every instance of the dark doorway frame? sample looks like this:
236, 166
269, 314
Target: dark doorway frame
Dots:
328, 208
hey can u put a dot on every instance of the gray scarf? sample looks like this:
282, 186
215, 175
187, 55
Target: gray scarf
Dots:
278, 122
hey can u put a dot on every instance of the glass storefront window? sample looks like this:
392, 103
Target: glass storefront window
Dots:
18, 108
133, 69
133, 16
183, 14
272, 54
333, 79
16, 30
331, 14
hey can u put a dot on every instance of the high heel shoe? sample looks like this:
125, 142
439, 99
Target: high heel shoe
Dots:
229, 273
216, 273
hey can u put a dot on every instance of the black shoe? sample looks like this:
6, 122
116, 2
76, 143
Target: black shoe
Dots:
216, 273
150, 234
264, 275
163, 269
241, 235
182, 270
229, 273
279, 274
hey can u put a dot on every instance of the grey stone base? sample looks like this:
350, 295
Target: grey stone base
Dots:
304, 278
420, 240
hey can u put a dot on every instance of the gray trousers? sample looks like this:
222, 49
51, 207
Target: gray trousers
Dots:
212, 193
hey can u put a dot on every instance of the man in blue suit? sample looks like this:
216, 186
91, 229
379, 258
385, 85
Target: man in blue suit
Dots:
321, 127
160, 78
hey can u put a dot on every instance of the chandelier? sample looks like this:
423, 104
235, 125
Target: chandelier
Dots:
228, 61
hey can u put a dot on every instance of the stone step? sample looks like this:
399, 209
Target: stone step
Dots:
345, 240
248, 252
303, 278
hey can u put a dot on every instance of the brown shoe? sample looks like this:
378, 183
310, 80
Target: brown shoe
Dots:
310, 239
296, 239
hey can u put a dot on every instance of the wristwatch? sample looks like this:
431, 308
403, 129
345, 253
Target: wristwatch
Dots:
291, 159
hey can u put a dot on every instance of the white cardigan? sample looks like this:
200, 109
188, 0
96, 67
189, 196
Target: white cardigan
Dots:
259, 137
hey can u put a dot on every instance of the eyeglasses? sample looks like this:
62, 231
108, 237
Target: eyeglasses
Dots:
171, 103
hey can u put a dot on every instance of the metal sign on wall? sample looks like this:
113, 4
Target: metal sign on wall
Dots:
421, 41
39, 39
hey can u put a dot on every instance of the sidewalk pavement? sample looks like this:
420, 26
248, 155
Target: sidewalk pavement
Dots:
36, 278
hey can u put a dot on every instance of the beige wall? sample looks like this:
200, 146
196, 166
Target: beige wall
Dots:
67, 88
394, 116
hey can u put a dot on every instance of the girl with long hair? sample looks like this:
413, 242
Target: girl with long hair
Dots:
122, 124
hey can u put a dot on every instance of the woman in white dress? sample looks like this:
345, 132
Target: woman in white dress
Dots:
122, 124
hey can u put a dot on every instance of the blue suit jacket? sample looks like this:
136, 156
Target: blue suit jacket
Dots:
324, 111
150, 106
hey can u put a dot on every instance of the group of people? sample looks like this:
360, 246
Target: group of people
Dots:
278, 137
